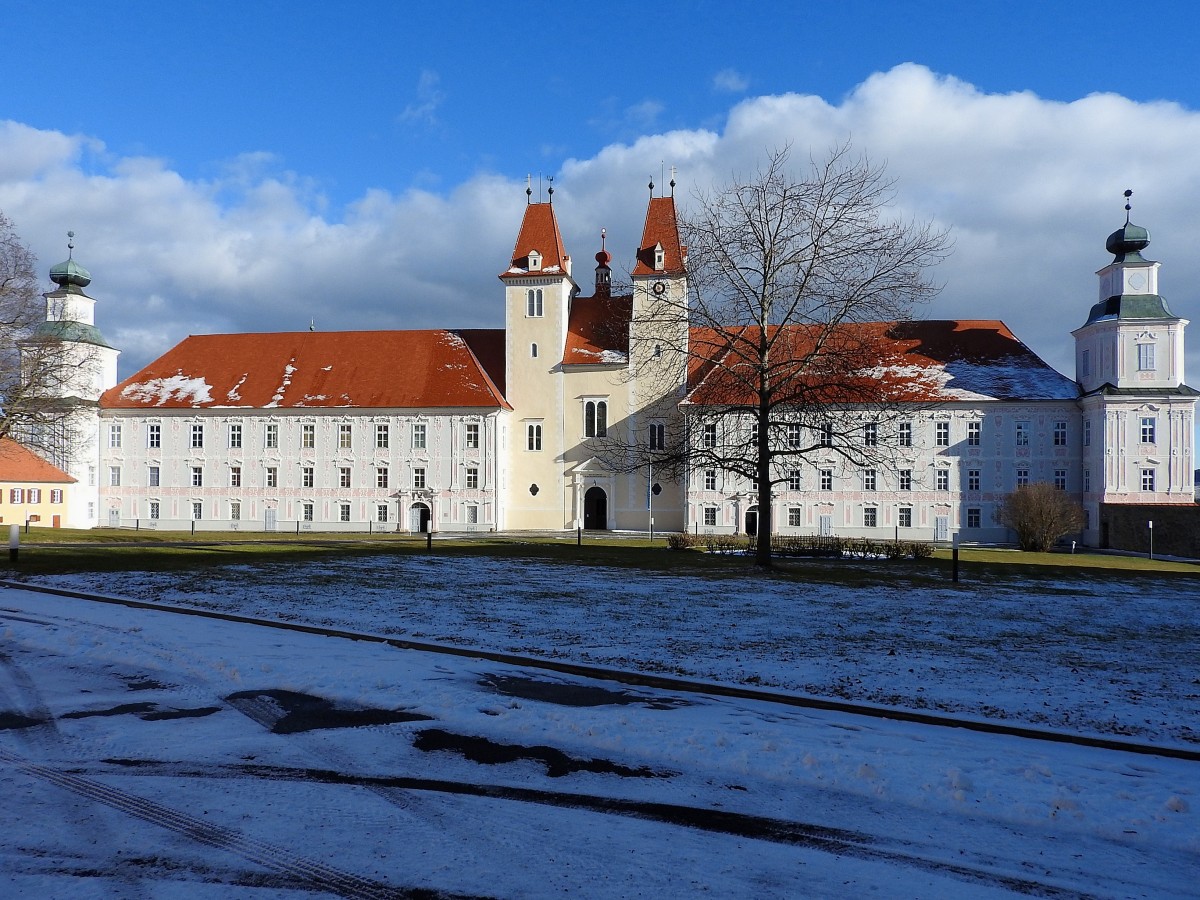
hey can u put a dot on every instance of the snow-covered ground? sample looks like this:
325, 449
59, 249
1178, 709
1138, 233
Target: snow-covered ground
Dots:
147, 754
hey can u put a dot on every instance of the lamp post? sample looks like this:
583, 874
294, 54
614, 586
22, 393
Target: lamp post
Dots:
1150, 525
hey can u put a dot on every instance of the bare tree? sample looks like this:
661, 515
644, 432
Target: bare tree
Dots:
1040, 514
794, 283
38, 370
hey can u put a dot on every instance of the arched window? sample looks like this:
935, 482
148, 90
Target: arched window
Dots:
595, 418
533, 350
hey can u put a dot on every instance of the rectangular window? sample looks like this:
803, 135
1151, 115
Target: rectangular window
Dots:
16, 495
381, 477
383, 440
710, 479
709, 437
472, 514
1147, 479
1060, 434
235, 510
658, 436
272, 477
197, 476
827, 479
1087, 481
56, 495
795, 434
271, 436
114, 435
35, 495
826, 436
941, 434
905, 434
153, 436
114, 476
308, 436
870, 434
472, 479
344, 512
943, 479
595, 418
345, 437
197, 437
904, 517
307, 476
418, 478
904, 482
973, 479
472, 436
868, 477
974, 517
306, 512
533, 436
710, 515
235, 437
381, 512
154, 509
1060, 479
1085, 364
153, 476
795, 517
197, 511
1145, 354
344, 476
794, 482
974, 433
418, 436
1148, 429
235, 476
870, 516
91, 476
1087, 432
1022, 477
1021, 434
753, 434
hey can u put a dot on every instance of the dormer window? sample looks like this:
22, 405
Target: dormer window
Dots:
660, 257
535, 261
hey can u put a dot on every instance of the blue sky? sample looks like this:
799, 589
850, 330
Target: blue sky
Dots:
249, 166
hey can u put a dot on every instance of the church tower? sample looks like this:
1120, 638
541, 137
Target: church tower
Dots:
78, 365
1138, 412
538, 290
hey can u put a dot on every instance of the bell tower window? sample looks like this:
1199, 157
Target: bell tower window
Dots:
535, 261
533, 303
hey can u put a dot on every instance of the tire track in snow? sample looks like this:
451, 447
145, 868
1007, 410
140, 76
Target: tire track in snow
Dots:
316, 875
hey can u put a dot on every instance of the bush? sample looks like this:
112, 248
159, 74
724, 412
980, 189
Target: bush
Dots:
1040, 514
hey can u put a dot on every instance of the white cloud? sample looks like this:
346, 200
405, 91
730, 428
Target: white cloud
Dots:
730, 81
1031, 188
429, 98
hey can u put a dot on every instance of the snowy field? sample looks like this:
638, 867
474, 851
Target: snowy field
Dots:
1099, 655
149, 754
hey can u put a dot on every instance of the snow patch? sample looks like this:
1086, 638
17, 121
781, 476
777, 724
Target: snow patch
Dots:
176, 389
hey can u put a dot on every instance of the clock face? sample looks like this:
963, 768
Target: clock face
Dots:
659, 287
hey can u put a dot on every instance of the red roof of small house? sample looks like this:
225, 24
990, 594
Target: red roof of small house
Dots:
917, 362
661, 228
19, 464
539, 231
323, 369
598, 331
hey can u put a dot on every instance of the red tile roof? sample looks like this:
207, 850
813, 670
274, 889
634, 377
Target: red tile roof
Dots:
933, 361
598, 330
19, 464
661, 227
324, 369
539, 231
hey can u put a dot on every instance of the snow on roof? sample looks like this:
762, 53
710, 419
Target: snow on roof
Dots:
539, 233
365, 369
598, 331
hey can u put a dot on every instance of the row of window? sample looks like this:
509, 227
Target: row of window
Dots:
795, 434
307, 477
33, 495
869, 479
382, 511
870, 517
308, 436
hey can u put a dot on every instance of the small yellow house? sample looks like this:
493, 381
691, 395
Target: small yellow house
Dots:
31, 489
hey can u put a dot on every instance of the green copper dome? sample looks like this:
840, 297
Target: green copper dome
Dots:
70, 274
1128, 242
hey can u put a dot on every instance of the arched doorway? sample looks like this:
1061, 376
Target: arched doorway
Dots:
752, 521
595, 509
418, 517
